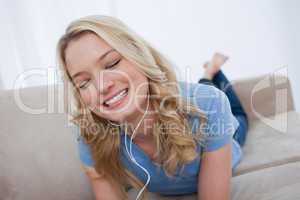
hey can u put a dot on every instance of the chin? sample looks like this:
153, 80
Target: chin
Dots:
116, 116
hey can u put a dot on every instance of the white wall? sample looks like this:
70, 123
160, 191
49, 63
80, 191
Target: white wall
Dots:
292, 26
259, 36
30, 30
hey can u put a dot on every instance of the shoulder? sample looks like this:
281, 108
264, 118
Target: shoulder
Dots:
84, 150
203, 96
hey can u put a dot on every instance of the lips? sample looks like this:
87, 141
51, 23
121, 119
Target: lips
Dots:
116, 99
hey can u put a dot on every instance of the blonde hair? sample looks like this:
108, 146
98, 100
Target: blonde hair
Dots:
176, 147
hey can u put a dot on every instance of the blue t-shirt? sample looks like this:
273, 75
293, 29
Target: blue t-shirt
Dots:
219, 129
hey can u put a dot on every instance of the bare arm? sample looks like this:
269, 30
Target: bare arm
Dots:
215, 174
101, 187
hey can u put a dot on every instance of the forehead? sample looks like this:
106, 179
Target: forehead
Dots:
84, 51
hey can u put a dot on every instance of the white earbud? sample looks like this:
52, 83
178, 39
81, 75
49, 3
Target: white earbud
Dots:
130, 149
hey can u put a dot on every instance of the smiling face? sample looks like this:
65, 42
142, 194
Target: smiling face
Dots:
109, 84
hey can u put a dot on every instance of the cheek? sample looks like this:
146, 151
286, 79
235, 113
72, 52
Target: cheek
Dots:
87, 97
140, 82
135, 77
140, 85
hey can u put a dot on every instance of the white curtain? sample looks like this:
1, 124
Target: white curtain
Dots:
29, 32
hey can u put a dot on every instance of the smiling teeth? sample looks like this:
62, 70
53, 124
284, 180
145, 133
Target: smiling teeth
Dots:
116, 98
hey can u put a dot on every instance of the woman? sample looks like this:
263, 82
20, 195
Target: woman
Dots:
122, 87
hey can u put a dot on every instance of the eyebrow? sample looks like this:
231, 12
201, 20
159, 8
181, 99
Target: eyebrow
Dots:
100, 58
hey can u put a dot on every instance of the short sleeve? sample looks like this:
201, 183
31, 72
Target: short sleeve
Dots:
84, 151
221, 123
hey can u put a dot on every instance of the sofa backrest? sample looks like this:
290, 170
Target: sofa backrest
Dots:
265, 96
38, 152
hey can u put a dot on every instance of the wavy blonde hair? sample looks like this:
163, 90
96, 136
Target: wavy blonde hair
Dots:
176, 146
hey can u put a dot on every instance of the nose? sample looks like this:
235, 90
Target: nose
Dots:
103, 85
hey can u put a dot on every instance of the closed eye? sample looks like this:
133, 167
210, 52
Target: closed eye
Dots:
113, 65
84, 84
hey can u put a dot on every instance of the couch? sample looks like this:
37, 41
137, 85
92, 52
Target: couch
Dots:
39, 157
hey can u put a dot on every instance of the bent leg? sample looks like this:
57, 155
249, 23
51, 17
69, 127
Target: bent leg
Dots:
240, 134
221, 82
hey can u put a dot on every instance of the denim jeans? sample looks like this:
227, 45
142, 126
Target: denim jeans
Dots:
221, 82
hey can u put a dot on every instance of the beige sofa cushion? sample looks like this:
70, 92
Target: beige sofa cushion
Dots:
275, 183
266, 146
